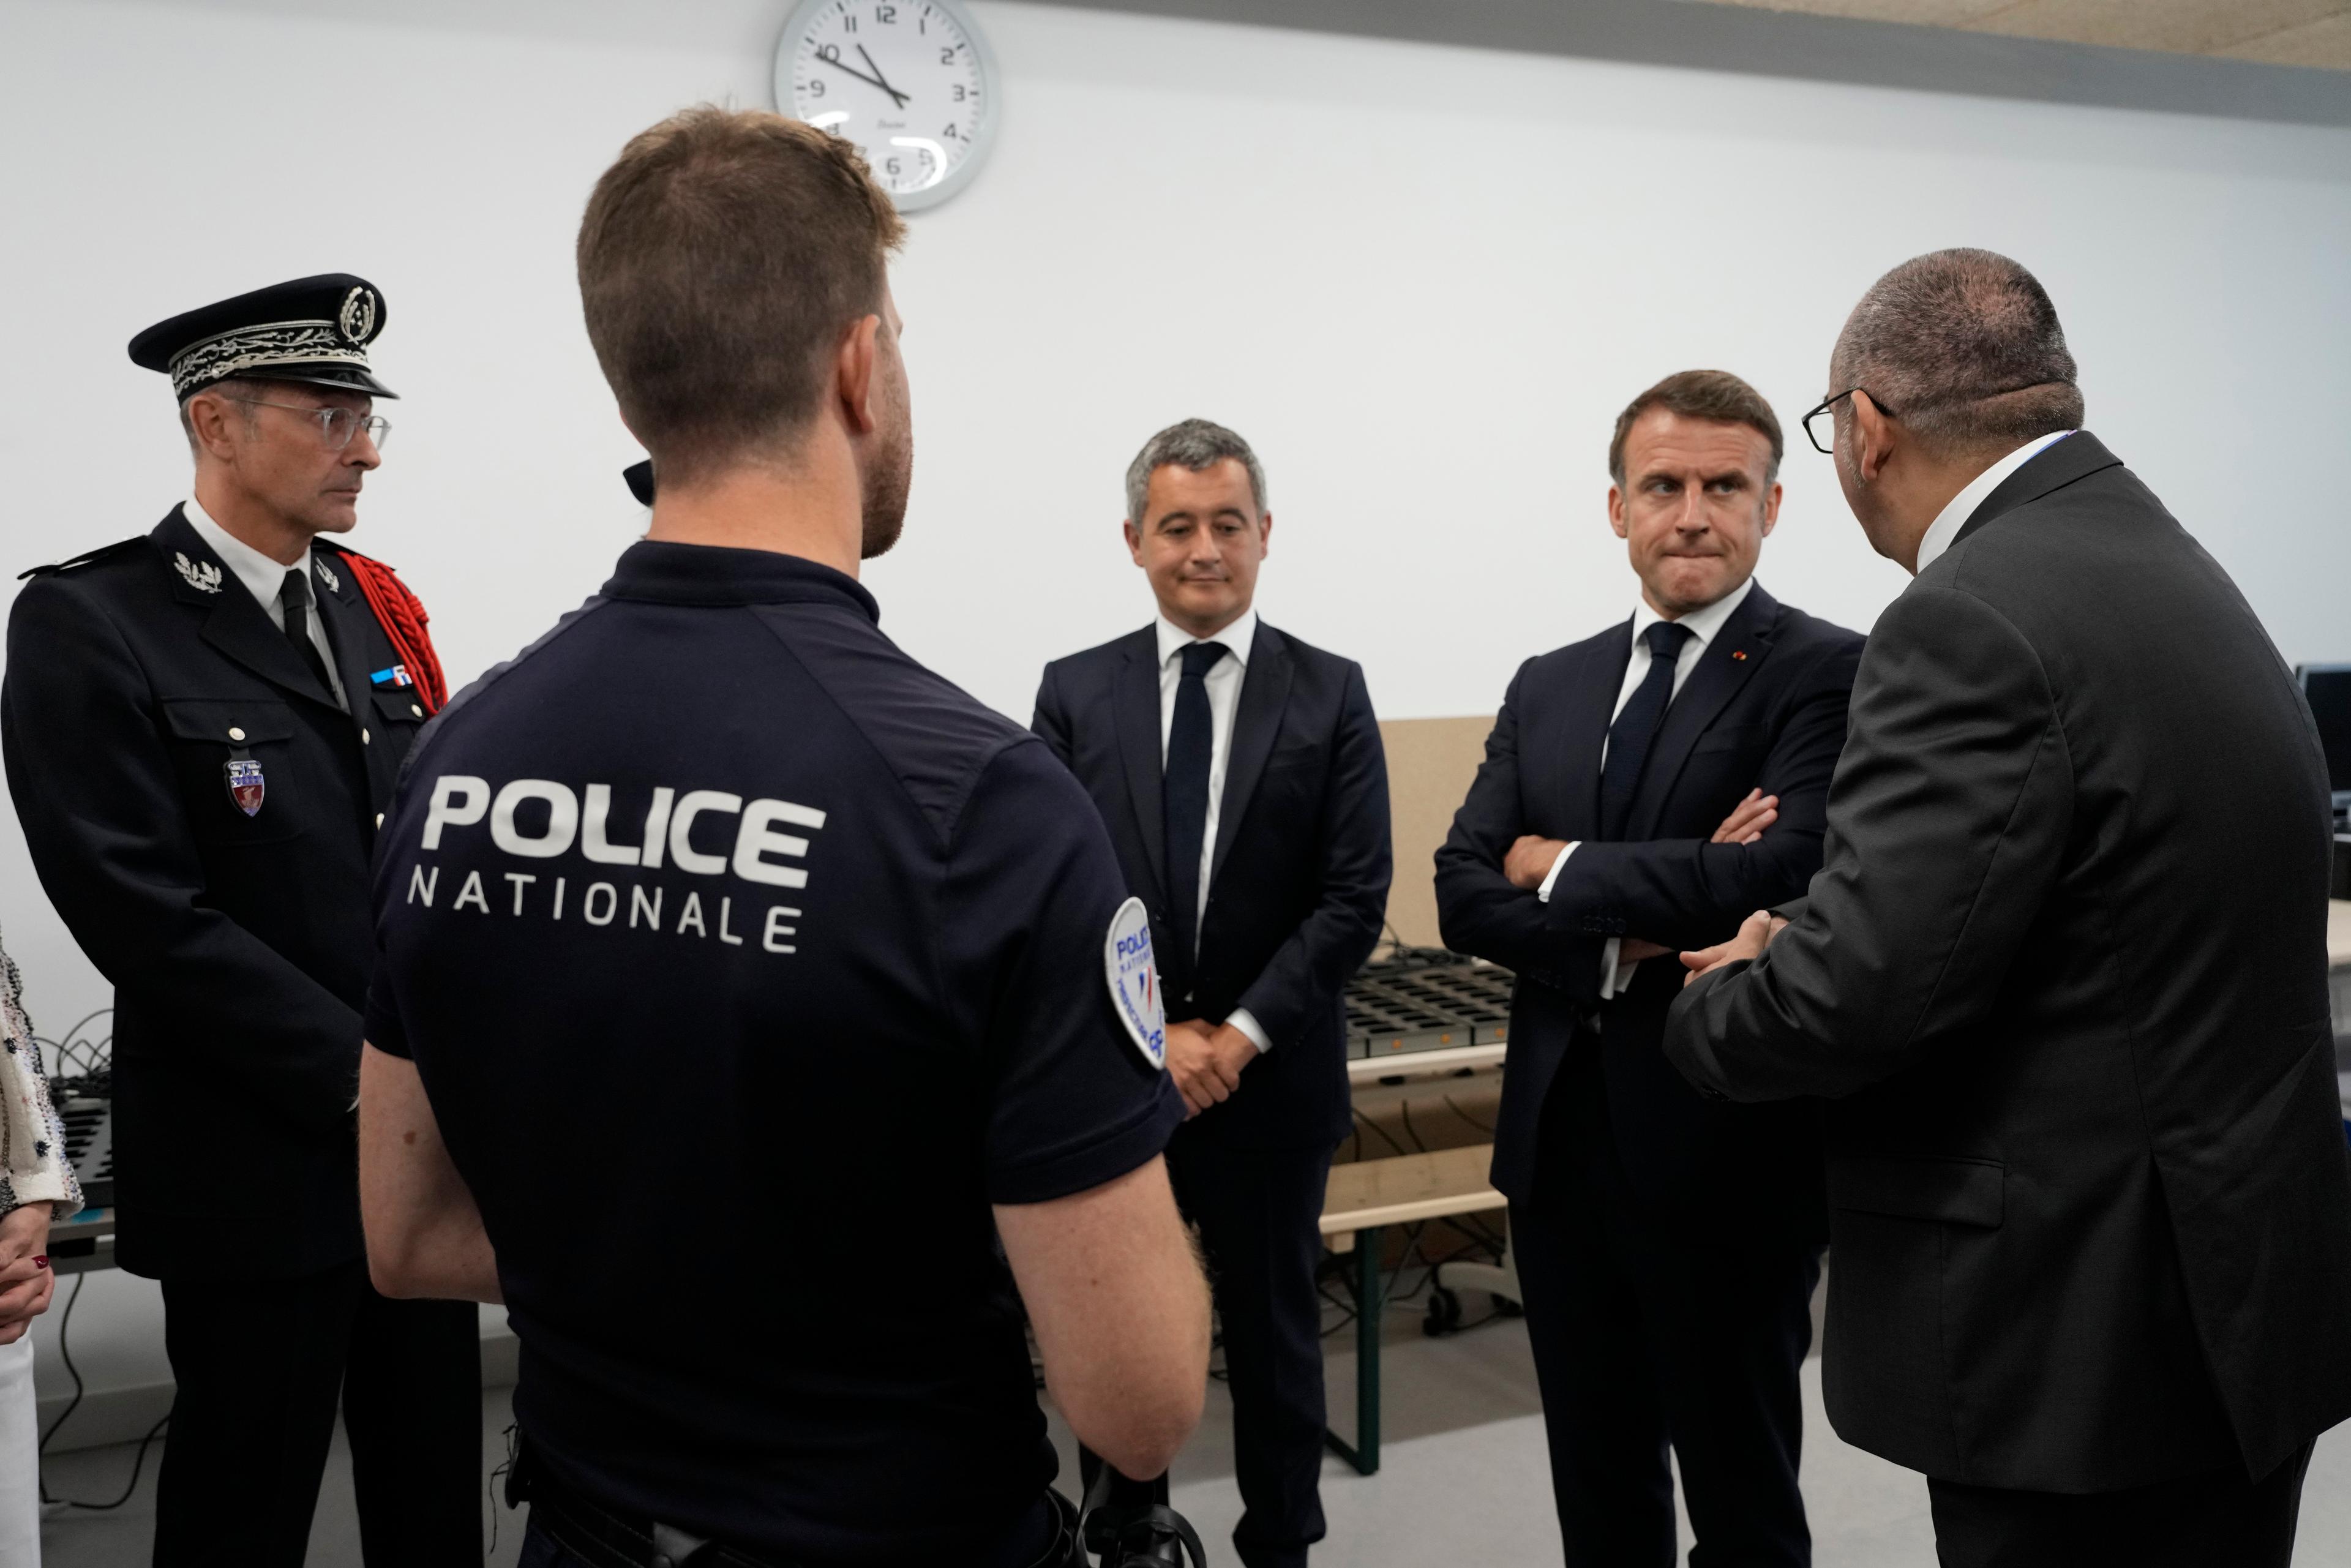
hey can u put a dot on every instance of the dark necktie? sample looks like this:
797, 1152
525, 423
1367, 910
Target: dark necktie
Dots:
294, 598
1636, 727
1191, 736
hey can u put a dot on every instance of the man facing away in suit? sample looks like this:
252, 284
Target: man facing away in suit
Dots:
1640, 786
1242, 775
2065, 966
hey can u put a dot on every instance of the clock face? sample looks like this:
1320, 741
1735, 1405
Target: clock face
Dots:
910, 81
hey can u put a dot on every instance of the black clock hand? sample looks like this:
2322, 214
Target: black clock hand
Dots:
834, 61
874, 66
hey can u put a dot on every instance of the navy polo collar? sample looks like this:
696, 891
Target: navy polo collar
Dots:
665, 573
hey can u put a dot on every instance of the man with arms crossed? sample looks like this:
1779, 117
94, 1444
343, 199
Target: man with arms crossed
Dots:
2066, 968
713, 908
1640, 788
1242, 775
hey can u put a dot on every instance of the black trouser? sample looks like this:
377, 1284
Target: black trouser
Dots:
1259, 1213
1648, 1333
2198, 1522
259, 1366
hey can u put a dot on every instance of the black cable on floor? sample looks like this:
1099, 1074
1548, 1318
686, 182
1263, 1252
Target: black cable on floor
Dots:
138, 1464
64, 1352
1476, 1227
64, 1321
504, 1468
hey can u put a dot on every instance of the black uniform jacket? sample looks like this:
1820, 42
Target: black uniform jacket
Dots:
2068, 964
1298, 883
1764, 707
239, 946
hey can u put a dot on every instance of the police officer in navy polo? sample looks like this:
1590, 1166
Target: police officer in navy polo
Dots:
714, 924
202, 726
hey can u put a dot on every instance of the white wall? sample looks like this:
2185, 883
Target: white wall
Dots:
1420, 280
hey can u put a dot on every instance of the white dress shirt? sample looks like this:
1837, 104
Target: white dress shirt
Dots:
1224, 683
265, 579
1702, 626
1953, 517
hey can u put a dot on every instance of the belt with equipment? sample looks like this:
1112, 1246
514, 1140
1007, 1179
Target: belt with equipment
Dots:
601, 1538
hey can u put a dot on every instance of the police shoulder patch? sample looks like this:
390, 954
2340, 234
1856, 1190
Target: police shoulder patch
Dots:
1134, 982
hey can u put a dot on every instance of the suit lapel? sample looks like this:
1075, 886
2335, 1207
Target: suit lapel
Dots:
1264, 692
1731, 659
344, 629
233, 623
1134, 709
1591, 708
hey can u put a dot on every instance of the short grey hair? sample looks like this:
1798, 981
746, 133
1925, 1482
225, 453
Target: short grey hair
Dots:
1193, 444
238, 389
1964, 347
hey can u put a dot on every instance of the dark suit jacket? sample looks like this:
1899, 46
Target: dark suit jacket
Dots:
2067, 962
1764, 707
1298, 881
239, 946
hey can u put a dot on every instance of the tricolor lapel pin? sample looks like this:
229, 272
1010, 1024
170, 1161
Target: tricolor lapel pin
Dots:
1739, 653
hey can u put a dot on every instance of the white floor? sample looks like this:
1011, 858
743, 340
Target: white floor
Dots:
1463, 1477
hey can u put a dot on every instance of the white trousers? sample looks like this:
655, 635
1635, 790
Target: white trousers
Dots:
20, 1463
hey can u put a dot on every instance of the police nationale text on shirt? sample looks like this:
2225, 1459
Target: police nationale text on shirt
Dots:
583, 818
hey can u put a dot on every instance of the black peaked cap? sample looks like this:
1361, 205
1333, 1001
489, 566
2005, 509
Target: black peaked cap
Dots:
313, 329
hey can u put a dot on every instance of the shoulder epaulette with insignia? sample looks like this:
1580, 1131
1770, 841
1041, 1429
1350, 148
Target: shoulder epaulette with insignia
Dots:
104, 552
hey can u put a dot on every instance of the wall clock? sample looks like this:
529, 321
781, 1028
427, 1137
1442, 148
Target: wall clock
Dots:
912, 82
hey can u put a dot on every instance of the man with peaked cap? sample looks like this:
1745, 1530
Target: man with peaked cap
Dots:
202, 728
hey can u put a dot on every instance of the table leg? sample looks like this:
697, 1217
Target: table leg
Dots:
1364, 1452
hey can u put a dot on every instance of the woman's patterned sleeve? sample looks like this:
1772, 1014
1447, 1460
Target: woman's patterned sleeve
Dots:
33, 1168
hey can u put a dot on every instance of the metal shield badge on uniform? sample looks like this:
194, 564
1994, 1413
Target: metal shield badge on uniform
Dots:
245, 785
1135, 981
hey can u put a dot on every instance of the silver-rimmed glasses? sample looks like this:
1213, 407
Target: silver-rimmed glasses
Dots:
337, 424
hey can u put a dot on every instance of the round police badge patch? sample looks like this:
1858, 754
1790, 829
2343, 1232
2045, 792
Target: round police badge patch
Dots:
1135, 981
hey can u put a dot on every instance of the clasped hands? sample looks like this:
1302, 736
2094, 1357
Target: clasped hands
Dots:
1531, 858
26, 1279
1206, 1060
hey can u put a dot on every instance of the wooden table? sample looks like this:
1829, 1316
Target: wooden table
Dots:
1365, 1196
